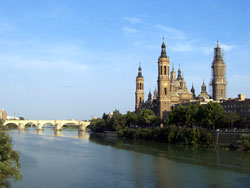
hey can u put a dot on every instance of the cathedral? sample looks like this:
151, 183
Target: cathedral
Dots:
172, 89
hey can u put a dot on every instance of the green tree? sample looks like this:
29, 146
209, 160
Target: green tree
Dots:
97, 125
194, 110
9, 160
146, 118
118, 120
182, 115
212, 113
131, 118
244, 142
232, 117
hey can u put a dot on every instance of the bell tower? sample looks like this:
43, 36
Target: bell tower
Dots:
164, 103
139, 93
219, 75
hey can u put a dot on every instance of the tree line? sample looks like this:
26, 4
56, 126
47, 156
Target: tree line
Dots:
210, 116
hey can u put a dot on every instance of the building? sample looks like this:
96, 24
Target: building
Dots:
172, 89
240, 106
12, 118
139, 94
3, 114
219, 75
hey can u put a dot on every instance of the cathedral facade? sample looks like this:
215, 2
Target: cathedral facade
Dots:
172, 89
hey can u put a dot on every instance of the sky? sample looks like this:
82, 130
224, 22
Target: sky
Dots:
75, 59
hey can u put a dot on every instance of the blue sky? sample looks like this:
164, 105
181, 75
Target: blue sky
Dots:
74, 59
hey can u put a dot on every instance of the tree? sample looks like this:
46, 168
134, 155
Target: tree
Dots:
97, 125
146, 117
21, 118
232, 117
212, 113
131, 118
182, 115
118, 120
9, 160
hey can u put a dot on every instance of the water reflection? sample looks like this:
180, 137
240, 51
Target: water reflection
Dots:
69, 133
83, 135
58, 133
239, 161
104, 162
39, 132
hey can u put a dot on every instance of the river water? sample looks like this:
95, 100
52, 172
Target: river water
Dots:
66, 159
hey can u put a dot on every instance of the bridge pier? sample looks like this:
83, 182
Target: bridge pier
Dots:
39, 126
39, 131
57, 127
21, 126
81, 127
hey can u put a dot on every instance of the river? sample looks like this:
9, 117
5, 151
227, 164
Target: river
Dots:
66, 159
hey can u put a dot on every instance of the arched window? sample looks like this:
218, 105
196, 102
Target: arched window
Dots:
165, 70
161, 70
140, 85
165, 91
140, 99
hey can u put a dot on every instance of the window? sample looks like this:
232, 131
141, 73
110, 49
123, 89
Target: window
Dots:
165, 70
165, 91
140, 99
161, 70
140, 85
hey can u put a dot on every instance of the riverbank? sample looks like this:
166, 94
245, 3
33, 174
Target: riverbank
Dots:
196, 137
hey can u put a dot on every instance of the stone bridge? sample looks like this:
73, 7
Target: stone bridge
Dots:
58, 124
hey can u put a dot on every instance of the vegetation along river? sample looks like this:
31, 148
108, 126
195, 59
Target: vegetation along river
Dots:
67, 159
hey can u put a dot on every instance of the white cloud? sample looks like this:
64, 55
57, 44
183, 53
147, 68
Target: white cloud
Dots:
171, 32
195, 46
206, 50
132, 20
227, 47
128, 30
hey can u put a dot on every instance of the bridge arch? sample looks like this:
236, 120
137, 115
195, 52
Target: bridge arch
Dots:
30, 124
12, 125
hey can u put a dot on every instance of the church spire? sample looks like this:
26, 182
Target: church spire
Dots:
163, 49
173, 67
193, 90
219, 74
204, 87
217, 52
149, 96
179, 73
139, 70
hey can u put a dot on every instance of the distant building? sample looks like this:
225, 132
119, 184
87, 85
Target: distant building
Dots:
219, 75
172, 90
12, 118
240, 106
3, 114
